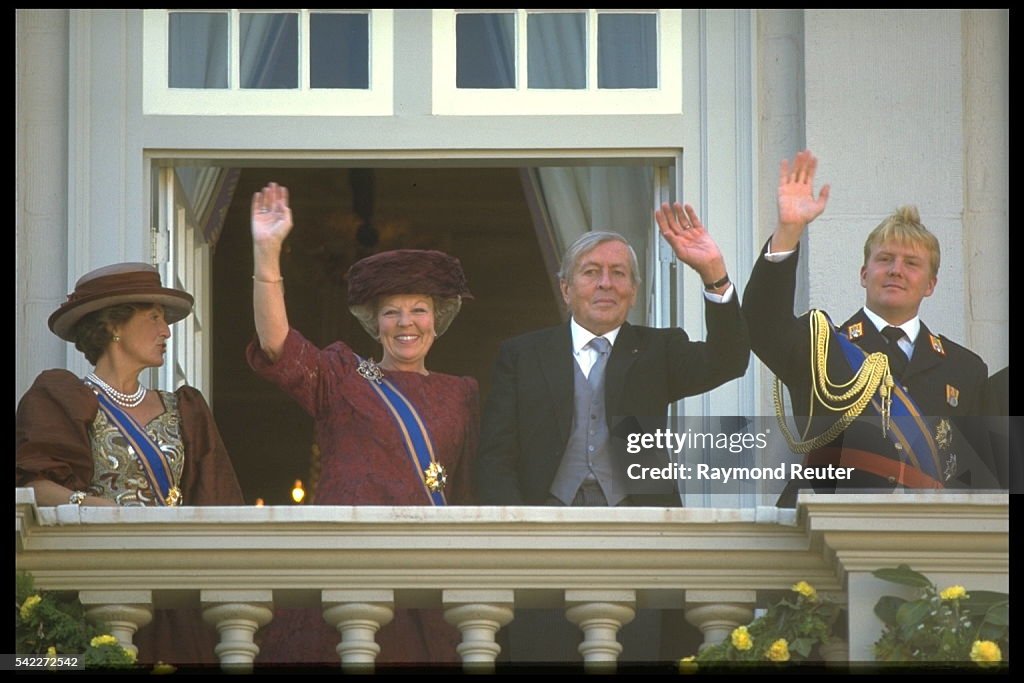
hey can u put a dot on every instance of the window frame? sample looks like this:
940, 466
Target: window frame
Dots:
159, 98
449, 100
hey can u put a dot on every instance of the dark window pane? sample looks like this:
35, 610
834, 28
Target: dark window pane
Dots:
270, 50
627, 51
339, 50
485, 51
556, 50
197, 50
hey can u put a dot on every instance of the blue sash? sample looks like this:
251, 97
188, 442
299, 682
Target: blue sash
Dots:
154, 463
908, 430
413, 432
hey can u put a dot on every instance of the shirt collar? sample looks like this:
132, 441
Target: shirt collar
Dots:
911, 328
582, 336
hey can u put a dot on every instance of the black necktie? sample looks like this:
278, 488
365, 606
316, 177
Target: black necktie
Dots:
897, 358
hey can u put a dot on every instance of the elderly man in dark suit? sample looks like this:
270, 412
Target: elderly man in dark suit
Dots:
559, 394
881, 396
560, 397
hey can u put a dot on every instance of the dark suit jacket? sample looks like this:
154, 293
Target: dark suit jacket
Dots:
528, 414
782, 342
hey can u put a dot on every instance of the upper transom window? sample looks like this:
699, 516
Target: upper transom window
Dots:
330, 62
556, 61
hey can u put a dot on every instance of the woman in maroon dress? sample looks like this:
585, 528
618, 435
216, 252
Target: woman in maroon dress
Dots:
390, 432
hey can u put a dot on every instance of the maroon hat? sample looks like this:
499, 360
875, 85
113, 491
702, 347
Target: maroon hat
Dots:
406, 271
120, 283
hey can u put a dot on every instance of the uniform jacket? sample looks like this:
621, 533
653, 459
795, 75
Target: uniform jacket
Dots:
943, 378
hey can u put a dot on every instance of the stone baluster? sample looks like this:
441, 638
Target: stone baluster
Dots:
237, 615
600, 615
717, 613
358, 615
478, 614
123, 612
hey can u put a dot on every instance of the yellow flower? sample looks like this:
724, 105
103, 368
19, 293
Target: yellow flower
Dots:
131, 654
29, 606
805, 589
688, 665
162, 668
779, 651
741, 639
953, 593
51, 651
100, 641
986, 653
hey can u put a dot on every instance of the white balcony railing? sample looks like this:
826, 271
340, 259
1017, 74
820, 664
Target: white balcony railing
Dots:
481, 563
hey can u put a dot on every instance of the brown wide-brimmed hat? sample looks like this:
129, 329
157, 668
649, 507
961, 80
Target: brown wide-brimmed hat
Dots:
406, 271
119, 283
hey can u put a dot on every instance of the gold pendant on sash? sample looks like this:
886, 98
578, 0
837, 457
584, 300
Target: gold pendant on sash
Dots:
435, 477
173, 496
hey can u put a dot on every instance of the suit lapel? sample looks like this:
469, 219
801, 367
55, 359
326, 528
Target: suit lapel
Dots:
624, 353
556, 362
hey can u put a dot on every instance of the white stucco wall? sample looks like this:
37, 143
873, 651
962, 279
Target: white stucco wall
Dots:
40, 220
885, 107
780, 111
987, 182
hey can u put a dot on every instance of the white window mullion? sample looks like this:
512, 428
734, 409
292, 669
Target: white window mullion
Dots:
375, 100
591, 50
659, 60
304, 48
372, 61
235, 43
522, 59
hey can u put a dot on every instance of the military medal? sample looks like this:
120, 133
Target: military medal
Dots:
943, 434
937, 345
950, 469
855, 331
952, 396
435, 477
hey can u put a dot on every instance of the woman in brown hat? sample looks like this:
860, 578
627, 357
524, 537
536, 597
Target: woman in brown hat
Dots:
390, 431
106, 439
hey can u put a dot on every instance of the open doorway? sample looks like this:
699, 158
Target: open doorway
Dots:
480, 215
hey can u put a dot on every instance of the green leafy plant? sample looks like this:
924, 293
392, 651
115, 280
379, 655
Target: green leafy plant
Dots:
54, 623
952, 625
788, 631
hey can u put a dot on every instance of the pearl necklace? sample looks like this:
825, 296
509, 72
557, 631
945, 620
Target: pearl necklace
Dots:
120, 398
